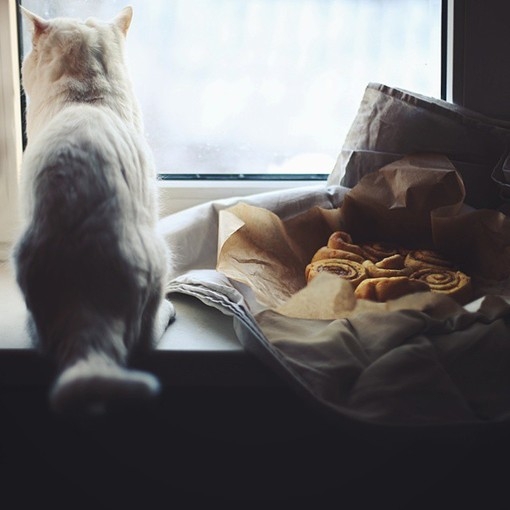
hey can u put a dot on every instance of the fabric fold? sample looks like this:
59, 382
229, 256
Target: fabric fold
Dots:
441, 366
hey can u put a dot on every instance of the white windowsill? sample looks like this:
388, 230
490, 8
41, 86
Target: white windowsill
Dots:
177, 195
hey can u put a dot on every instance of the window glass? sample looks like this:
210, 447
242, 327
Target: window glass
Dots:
264, 86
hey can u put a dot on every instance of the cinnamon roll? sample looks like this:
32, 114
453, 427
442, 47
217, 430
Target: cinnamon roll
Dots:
380, 271
331, 253
386, 288
349, 270
455, 284
417, 259
341, 240
387, 267
379, 250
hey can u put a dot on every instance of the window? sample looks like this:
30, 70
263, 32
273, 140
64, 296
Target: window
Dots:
258, 92
264, 87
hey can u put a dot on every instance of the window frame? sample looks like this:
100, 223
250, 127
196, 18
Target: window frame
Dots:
10, 126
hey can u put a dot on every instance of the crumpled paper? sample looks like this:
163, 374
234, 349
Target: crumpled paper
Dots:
417, 202
391, 123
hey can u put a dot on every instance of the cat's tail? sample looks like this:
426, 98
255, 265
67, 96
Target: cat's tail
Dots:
96, 383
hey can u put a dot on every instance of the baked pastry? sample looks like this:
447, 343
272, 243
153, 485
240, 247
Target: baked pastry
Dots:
341, 240
380, 271
417, 259
339, 235
331, 253
349, 270
387, 267
455, 284
377, 251
386, 288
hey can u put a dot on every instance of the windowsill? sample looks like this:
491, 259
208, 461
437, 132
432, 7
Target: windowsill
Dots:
199, 349
175, 196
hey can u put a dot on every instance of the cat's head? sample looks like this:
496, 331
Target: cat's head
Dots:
69, 48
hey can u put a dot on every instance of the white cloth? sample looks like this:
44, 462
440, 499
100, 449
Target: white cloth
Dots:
403, 367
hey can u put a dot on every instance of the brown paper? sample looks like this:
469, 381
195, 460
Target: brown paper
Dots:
268, 255
415, 202
395, 203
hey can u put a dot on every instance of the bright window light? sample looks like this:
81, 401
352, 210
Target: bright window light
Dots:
264, 86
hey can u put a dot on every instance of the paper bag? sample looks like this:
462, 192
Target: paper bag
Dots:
391, 123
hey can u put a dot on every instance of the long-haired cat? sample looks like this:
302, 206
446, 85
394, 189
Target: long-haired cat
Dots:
89, 262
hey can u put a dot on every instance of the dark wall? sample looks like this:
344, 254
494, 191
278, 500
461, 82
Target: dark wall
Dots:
199, 446
481, 56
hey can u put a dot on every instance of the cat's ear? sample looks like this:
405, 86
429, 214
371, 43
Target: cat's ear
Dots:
123, 19
38, 24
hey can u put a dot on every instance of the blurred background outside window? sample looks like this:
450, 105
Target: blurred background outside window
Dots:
263, 86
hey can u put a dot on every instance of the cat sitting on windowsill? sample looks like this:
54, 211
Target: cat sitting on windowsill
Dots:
89, 262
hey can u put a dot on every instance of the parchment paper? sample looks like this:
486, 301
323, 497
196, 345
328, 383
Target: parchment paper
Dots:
417, 202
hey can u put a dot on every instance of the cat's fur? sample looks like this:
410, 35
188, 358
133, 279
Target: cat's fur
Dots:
89, 262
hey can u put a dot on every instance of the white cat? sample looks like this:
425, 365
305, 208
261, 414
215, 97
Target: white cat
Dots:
89, 263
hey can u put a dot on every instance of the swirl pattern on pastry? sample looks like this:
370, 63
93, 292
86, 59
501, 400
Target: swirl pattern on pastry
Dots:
381, 270
379, 250
349, 270
455, 284
388, 267
386, 288
427, 258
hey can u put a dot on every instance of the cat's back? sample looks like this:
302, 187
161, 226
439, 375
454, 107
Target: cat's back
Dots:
90, 198
91, 127
86, 155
